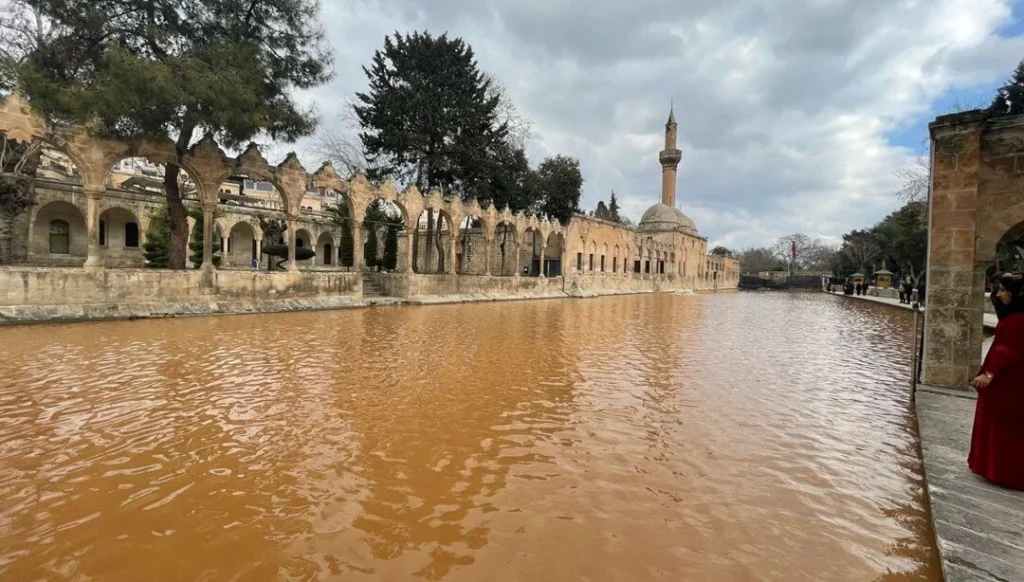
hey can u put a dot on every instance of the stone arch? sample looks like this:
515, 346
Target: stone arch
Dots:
433, 241
530, 249
121, 237
554, 251
242, 245
325, 249
603, 261
383, 218
616, 254
67, 244
505, 248
591, 259
304, 240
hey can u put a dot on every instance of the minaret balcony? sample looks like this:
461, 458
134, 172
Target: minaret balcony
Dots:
670, 157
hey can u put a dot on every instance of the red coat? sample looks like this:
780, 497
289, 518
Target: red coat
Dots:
997, 443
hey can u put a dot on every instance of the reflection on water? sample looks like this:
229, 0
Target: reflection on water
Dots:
738, 437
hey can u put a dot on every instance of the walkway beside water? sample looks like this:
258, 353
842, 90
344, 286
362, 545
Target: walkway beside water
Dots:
977, 525
990, 318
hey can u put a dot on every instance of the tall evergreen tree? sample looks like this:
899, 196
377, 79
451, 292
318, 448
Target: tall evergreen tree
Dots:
158, 244
143, 69
613, 208
1009, 99
428, 117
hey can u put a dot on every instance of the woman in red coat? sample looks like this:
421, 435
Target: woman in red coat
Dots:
997, 444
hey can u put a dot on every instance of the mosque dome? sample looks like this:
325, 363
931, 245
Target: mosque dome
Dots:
665, 217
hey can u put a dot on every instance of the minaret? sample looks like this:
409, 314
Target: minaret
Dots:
669, 158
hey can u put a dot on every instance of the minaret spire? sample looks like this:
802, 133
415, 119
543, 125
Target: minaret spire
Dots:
669, 158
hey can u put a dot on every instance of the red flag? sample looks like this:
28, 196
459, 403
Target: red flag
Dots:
794, 250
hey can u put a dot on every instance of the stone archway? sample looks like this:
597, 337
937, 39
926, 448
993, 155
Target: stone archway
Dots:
120, 237
59, 236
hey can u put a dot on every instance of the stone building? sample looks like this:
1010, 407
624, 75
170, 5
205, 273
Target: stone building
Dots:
81, 243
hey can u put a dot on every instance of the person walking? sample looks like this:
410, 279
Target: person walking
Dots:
998, 436
920, 290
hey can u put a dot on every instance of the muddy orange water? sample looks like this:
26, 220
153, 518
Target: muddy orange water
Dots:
761, 436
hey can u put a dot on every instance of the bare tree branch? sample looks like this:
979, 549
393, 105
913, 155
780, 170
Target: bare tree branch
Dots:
340, 144
520, 129
916, 176
22, 30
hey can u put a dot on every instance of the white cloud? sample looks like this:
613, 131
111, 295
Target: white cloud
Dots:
784, 106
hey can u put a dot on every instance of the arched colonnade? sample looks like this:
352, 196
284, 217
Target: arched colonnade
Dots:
209, 166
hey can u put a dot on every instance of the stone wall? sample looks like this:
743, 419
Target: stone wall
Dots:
977, 196
43, 293
423, 285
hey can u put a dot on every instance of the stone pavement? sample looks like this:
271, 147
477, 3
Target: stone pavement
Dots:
979, 527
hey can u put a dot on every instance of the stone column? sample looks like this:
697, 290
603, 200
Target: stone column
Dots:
487, 255
449, 267
404, 252
207, 239
292, 222
94, 255
259, 251
357, 246
955, 277
541, 272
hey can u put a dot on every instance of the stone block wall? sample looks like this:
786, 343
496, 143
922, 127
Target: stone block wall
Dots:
977, 196
423, 285
54, 293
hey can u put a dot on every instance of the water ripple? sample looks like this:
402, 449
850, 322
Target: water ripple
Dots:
740, 437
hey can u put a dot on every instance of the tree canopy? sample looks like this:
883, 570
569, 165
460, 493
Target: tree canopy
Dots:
429, 117
1009, 99
141, 69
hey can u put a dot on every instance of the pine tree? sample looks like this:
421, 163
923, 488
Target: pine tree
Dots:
346, 249
613, 208
370, 247
428, 117
138, 69
1009, 99
390, 259
158, 239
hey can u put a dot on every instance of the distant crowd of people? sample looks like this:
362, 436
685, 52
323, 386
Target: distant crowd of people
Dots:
906, 288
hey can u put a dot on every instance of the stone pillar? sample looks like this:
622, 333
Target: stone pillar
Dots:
293, 227
208, 239
259, 250
358, 262
541, 270
94, 255
404, 252
488, 248
954, 278
449, 267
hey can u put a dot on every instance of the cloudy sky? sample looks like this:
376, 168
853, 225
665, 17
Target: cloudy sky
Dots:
793, 114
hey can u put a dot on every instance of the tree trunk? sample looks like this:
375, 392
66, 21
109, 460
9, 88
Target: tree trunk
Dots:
429, 249
504, 237
178, 218
441, 255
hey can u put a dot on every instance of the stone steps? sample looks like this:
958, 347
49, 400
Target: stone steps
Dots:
370, 287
